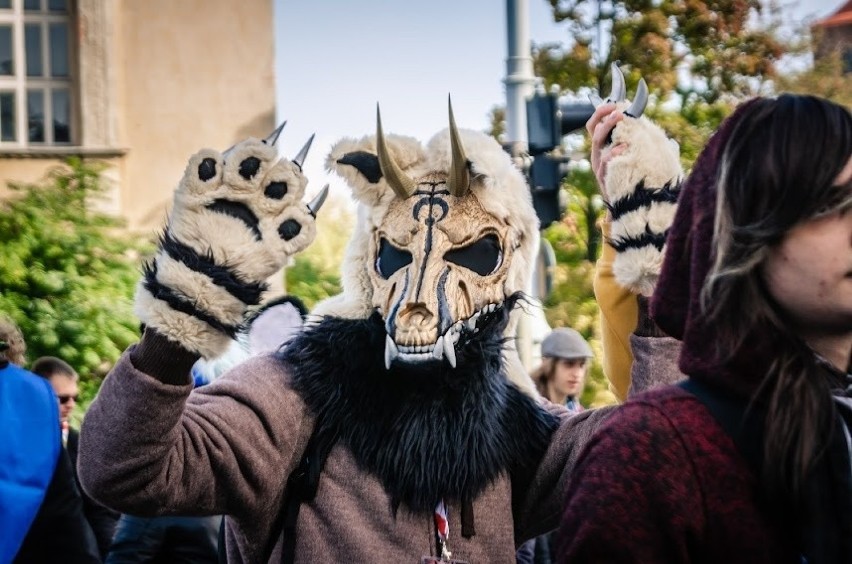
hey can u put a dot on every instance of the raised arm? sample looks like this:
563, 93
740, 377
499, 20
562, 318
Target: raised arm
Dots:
639, 174
147, 445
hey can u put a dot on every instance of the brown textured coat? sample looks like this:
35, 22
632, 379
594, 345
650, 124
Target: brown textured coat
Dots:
148, 447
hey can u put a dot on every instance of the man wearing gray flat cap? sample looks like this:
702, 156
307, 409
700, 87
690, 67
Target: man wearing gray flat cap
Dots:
565, 355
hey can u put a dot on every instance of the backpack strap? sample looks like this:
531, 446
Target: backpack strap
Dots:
743, 423
301, 487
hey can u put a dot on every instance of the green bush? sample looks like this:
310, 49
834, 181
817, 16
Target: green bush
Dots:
68, 272
308, 280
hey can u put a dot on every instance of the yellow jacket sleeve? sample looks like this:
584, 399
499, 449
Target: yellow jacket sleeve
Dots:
619, 316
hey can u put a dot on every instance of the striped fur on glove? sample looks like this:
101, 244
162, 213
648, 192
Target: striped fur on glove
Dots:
236, 219
643, 184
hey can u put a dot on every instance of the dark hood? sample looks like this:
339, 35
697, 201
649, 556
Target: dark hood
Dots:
676, 305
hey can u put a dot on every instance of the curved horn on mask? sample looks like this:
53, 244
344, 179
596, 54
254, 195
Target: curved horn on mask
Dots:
402, 185
459, 175
639, 101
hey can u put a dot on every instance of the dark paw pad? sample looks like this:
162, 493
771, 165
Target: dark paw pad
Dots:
207, 169
239, 211
249, 167
289, 229
276, 190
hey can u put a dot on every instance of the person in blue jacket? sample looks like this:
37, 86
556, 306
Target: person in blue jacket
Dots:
41, 513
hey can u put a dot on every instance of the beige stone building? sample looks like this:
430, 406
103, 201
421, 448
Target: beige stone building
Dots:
138, 84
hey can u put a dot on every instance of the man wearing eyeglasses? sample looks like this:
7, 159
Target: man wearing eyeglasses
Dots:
63, 378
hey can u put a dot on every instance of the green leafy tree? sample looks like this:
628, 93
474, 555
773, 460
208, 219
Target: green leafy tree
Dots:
723, 46
701, 55
497, 122
308, 280
67, 273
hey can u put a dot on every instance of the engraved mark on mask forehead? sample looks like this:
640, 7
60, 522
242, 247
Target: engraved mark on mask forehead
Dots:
431, 200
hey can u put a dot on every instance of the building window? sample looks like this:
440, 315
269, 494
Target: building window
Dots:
37, 95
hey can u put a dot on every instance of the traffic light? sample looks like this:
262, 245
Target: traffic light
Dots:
545, 178
547, 122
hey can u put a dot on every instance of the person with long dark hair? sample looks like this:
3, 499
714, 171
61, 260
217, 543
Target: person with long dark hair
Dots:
749, 461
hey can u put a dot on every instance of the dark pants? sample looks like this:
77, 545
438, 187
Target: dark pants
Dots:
165, 539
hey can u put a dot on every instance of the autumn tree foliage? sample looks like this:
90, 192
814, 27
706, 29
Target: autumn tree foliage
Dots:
692, 48
697, 57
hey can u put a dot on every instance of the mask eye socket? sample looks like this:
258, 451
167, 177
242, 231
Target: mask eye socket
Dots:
483, 256
390, 259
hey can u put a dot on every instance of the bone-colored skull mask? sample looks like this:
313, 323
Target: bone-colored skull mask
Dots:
446, 234
437, 262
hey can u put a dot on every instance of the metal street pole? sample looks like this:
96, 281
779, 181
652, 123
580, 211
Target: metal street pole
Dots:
520, 83
520, 79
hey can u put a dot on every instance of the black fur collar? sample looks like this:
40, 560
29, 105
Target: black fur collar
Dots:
427, 432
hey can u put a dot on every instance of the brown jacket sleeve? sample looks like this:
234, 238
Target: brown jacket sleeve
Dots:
542, 503
148, 447
655, 355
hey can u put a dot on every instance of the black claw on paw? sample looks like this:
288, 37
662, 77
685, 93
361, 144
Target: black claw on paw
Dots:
207, 169
276, 190
289, 229
249, 167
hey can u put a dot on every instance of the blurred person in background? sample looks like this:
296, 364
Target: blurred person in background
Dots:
14, 346
565, 357
562, 374
165, 539
64, 381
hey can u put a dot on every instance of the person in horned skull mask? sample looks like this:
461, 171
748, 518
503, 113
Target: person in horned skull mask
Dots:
399, 426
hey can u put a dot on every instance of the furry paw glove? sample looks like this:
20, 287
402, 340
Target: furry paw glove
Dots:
643, 184
236, 219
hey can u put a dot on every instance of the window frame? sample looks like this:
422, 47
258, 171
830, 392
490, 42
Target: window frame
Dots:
21, 84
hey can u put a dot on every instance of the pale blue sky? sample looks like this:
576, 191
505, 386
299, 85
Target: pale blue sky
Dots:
336, 58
